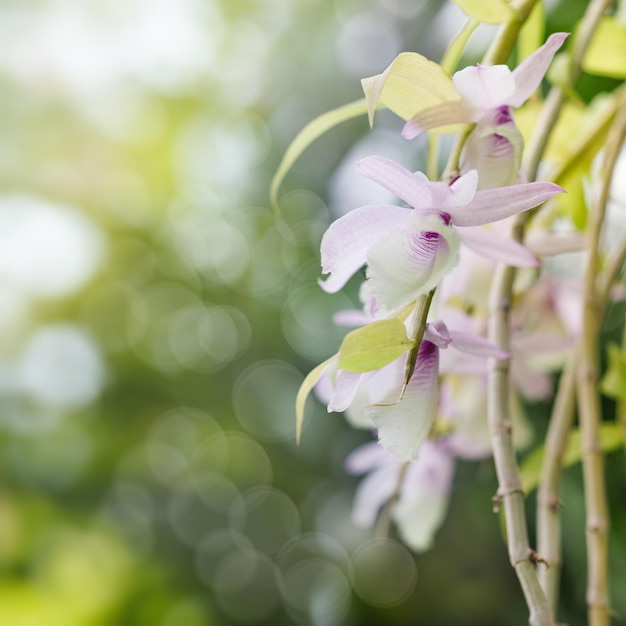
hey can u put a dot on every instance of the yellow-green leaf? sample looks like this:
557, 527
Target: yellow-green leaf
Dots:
530, 469
305, 389
314, 129
487, 11
455, 49
606, 55
411, 83
613, 383
373, 346
532, 34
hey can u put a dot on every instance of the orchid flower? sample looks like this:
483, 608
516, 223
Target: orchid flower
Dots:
424, 493
404, 424
408, 251
486, 96
488, 90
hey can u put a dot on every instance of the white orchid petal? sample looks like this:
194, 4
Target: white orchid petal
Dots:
495, 150
485, 87
461, 191
492, 245
411, 261
347, 240
492, 205
529, 73
444, 114
411, 187
405, 425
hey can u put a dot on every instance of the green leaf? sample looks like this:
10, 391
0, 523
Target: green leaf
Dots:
487, 11
314, 129
606, 55
305, 389
613, 383
373, 346
530, 469
411, 83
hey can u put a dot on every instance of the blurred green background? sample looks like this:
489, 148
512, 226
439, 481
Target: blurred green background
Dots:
157, 323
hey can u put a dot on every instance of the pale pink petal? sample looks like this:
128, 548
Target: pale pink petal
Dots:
492, 205
351, 318
368, 457
476, 345
438, 334
444, 114
346, 386
531, 70
372, 493
423, 501
485, 87
411, 187
405, 424
411, 261
347, 240
494, 246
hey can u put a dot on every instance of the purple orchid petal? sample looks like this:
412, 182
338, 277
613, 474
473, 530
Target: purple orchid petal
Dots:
485, 87
492, 205
529, 73
492, 245
478, 346
347, 240
411, 261
411, 187
444, 114
404, 425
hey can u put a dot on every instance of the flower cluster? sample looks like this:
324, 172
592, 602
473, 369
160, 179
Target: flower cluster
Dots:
426, 403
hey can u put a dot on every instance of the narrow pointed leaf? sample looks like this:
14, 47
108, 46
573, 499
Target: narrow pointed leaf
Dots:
314, 129
530, 470
487, 11
305, 389
373, 346
411, 83
606, 55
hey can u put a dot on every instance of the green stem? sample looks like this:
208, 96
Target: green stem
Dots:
590, 411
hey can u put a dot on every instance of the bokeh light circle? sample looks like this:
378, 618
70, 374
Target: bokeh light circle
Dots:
267, 517
264, 399
316, 591
385, 573
247, 587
